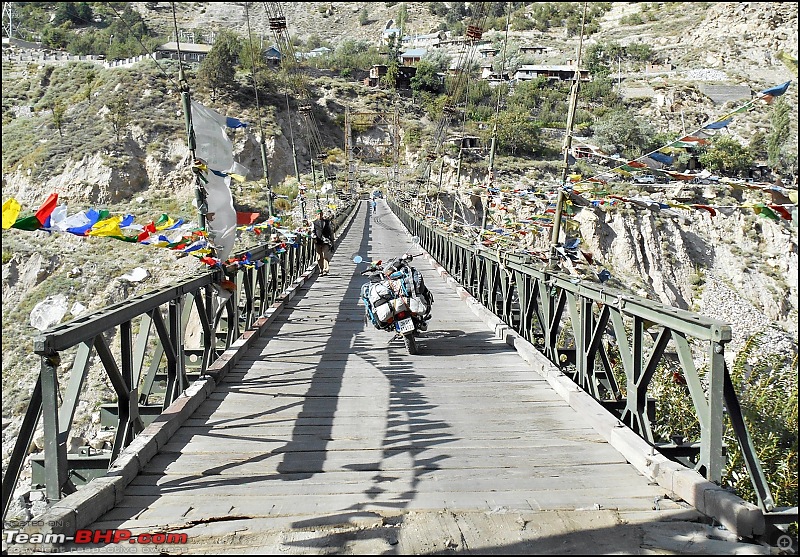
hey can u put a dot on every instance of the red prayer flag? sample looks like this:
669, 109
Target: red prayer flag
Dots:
782, 211
707, 208
149, 228
243, 219
47, 208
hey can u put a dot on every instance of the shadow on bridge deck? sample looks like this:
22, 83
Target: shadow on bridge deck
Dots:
328, 437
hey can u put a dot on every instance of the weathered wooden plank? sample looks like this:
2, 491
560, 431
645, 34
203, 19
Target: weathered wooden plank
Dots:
265, 486
367, 439
289, 460
172, 507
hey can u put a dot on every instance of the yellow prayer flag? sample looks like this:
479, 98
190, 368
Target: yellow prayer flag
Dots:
166, 224
107, 227
11, 209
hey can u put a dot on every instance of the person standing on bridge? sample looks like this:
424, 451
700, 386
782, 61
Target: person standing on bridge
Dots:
323, 242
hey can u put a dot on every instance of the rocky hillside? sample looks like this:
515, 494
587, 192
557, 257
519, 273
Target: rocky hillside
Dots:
736, 266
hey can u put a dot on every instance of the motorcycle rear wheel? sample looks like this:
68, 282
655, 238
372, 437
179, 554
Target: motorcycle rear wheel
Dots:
411, 343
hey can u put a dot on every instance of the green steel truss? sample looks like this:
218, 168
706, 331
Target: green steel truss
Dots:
588, 330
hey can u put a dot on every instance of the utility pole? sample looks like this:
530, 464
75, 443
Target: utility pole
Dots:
266, 176
573, 102
291, 137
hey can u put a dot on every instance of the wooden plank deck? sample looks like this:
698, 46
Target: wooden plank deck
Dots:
328, 437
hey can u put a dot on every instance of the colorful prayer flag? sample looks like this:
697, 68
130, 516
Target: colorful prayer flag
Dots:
11, 209
47, 207
776, 91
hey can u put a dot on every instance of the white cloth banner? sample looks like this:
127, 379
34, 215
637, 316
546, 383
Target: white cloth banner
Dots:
215, 148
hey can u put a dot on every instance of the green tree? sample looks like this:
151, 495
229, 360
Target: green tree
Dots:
83, 13
58, 117
393, 49
600, 92
521, 22
758, 146
437, 8
601, 56
439, 58
638, 52
726, 155
218, 69
65, 12
118, 115
390, 79
619, 131
427, 78
126, 34
91, 83
781, 145
402, 17
55, 37
517, 133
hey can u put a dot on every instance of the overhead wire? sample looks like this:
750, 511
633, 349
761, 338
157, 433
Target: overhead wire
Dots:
295, 79
457, 86
262, 139
145, 50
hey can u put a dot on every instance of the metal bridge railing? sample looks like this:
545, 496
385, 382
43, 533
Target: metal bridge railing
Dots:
152, 330
587, 330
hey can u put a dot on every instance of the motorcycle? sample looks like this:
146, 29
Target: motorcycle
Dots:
396, 298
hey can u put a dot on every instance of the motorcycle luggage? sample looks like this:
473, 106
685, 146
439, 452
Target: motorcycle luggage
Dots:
399, 304
384, 313
379, 294
417, 306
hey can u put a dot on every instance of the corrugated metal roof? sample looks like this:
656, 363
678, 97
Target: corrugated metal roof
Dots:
186, 47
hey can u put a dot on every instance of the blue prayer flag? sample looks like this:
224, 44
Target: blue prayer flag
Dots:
666, 159
718, 125
776, 91
234, 123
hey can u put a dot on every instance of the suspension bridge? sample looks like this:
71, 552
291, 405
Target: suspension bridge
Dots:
309, 431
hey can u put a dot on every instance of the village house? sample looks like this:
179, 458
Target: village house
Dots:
388, 34
552, 72
429, 40
487, 51
412, 57
189, 52
404, 75
534, 50
319, 51
272, 56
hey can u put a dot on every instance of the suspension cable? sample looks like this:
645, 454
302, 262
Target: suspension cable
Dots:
294, 79
262, 141
457, 86
493, 147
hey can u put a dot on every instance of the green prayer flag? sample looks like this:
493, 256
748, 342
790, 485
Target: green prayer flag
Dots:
27, 223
